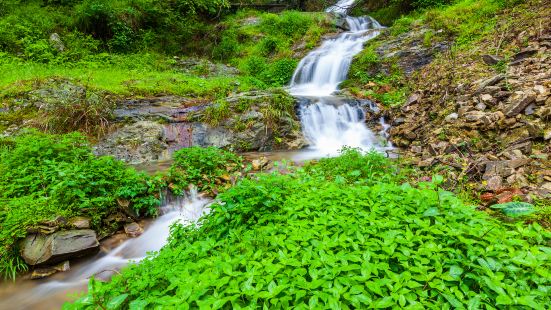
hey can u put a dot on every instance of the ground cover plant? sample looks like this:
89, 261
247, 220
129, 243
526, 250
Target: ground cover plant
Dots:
337, 235
46, 176
209, 169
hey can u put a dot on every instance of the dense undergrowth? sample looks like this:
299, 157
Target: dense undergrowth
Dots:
345, 234
43, 177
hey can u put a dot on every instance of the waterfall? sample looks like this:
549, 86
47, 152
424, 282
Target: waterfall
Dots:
329, 122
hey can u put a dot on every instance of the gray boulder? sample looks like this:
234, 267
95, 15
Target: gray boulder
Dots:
39, 249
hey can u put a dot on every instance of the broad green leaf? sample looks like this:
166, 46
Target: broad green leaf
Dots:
116, 302
515, 208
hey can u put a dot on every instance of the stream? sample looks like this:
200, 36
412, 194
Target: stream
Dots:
329, 123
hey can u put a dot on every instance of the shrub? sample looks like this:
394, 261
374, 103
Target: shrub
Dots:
209, 169
43, 176
300, 240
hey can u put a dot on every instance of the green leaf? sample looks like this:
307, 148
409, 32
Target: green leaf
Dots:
138, 304
515, 208
456, 272
431, 212
116, 302
383, 303
504, 300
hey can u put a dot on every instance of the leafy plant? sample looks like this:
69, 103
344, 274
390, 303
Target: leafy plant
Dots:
515, 208
209, 169
44, 176
355, 240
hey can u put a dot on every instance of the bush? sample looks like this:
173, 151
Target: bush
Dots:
209, 169
44, 176
300, 240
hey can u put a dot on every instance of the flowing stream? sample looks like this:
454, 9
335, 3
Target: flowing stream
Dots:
329, 122
52, 292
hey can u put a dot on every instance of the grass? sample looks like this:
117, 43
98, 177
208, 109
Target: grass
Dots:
125, 76
344, 233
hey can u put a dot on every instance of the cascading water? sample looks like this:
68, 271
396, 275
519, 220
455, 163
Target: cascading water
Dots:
329, 122
53, 292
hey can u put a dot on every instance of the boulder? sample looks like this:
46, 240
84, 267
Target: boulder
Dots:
43, 272
133, 229
39, 249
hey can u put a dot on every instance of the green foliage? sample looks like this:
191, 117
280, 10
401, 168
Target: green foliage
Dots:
209, 169
43, 176
260, 44
515, 208
303, 240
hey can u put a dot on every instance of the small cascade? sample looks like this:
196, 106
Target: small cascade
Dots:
330, 126
53, 291
330, 123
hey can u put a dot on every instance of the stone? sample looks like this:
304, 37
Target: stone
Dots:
547, 135
494, 183
133, 229
481, 85
39, 249
55, 41
503, 168
451, 117
486, 97
491, 59
540, 90
43, 272
525, 53
474, 116
259, 163
136, 143
480, 106
79, 222
518, 105
413, 99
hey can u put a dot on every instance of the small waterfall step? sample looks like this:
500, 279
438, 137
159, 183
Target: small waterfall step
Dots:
330, 123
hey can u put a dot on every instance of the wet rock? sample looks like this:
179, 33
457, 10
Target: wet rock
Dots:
133, 229
44, 272
491, 59
259, 163
79, 222
42, 250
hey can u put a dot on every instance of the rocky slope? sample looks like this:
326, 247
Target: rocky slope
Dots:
480, 114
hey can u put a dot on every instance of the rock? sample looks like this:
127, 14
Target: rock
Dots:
481, 85
451, 117
259, 163
547, 135
540, 90
491, 59
79, 222
503, 168
40, 273
42, 250
519, 104
474, 116
136, 143
413, 99
56, 42
494, 183
342, 23
133, 229
525, 53
486, 98
480, 106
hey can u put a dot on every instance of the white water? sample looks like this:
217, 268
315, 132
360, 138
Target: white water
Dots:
330, 123
185, 211
343, 6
